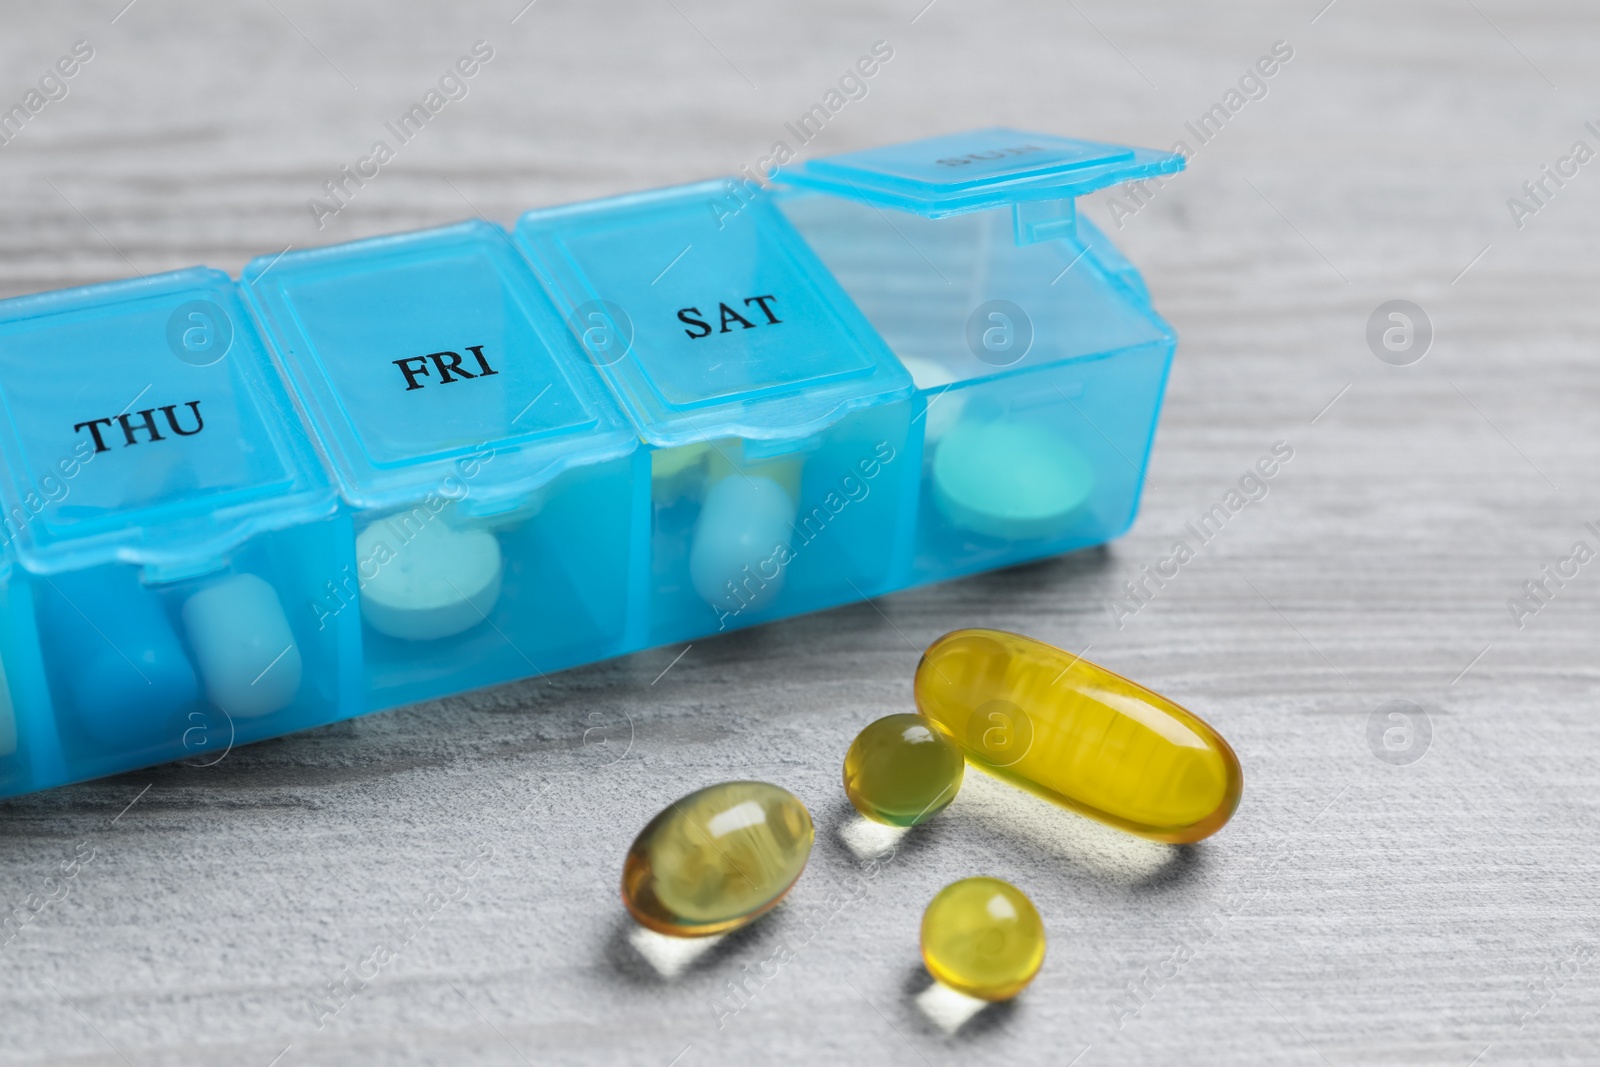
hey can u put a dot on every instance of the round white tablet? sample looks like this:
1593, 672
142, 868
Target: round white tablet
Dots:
428, 579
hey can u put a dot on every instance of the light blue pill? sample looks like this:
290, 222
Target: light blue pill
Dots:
123, 672
741, 543
430, 580
245, 650
1013, 480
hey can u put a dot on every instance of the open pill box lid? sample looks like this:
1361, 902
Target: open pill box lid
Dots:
709, 320
978, 169
433, 362
941, 204
145, 424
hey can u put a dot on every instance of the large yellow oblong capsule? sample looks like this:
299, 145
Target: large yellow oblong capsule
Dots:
1079, 735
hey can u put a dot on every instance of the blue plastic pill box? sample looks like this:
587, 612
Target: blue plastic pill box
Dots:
404, 468
165, 520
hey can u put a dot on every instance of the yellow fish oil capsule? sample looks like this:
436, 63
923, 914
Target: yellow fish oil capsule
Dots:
716, 859
983, 937
902, 770
1080, 736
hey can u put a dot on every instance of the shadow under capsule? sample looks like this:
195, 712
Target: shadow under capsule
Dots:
670, 956
868, 842
1107, 854
951, 1012
648, 958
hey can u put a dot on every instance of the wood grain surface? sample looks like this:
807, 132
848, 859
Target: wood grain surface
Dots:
1418, 891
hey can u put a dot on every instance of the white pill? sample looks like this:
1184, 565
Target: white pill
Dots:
243, 646
944, 405
741, 543
427, 581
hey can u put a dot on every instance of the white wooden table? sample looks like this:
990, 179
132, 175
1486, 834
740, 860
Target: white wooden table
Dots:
1357, 910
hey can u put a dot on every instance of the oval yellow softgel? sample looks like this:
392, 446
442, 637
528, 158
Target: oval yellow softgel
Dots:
1079, 735
717, 858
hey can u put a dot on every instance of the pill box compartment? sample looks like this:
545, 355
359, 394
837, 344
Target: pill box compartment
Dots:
740, 536
30, 749
775, 419
170, 526
1038, 360
493, 480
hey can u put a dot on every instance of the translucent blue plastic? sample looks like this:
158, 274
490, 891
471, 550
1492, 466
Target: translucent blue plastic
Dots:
166, 522
775, 417
408, 467
1037, 411
490, 475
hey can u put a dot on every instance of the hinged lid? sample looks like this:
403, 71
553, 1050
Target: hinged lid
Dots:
710, 317
979, 169
432, 362
144, 423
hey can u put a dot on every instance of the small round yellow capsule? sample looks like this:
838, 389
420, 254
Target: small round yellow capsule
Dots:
716, 859
983, 937
902, 770
1080, 736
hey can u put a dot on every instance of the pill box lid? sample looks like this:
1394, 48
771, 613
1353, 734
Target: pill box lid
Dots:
434, 363
978, 169
172, 364
709, 315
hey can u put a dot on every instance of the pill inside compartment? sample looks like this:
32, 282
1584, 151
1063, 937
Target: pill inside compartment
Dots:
145, 670
427, 575
1079, 735
170, 526
492, 482
120, 674
744, 530
1038, 361
998, 467
775, 417
440, 588
452, 598
723, 525
243, 646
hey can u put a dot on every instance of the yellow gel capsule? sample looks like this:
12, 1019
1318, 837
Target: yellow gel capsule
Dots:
716, 859
1080, 736
983, 937
902, 770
